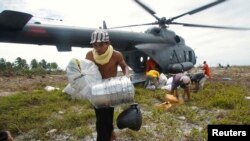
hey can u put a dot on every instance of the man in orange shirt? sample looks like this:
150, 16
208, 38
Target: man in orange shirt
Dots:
206, 69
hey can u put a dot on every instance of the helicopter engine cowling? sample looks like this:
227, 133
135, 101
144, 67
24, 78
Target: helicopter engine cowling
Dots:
168, 35
180, 67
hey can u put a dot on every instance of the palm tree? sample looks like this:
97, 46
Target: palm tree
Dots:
34, 64
2, 65
21, 64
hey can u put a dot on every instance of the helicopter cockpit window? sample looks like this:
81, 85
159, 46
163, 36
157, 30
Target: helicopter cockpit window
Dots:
177, 39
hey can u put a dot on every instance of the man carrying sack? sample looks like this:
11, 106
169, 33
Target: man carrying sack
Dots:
107, 59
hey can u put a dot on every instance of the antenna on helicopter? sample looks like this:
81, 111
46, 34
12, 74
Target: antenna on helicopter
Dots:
104, 25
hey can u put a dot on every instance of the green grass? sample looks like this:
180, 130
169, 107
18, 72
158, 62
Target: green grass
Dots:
41, 110
33, 114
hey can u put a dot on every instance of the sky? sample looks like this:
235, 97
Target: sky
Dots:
213, 45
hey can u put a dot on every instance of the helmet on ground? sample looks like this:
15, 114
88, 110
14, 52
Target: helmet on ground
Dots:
130, 118
99, 36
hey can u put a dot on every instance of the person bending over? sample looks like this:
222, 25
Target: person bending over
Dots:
152, 76
183, 81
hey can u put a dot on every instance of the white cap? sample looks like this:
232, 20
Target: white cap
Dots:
185, 79
99, 35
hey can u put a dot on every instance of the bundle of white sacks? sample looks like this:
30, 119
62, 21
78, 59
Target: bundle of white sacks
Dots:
85, 82
168, 84
81, 74
164, 83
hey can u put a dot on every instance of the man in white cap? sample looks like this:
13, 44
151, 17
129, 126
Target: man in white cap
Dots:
183, 81
107, 59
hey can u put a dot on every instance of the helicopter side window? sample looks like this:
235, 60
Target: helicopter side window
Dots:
186, 54
141, 59
177, 39
126, 58
190, 56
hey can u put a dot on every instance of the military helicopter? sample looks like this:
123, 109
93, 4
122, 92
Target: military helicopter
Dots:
165, 47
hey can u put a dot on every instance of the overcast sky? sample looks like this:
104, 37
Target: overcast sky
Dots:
213, 45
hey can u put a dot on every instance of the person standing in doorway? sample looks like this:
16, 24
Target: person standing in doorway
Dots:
107, 59
150, 65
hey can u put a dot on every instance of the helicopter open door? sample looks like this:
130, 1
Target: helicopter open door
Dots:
172, 62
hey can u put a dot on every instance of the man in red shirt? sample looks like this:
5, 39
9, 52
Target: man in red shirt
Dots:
150, 65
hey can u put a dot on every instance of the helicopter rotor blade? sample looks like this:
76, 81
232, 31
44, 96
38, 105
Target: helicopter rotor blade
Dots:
134, 25
211, 26
150, 11
163, 21
198, 9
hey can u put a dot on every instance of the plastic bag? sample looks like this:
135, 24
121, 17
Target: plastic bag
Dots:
81, 74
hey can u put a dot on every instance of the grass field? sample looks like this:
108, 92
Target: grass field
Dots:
41, 115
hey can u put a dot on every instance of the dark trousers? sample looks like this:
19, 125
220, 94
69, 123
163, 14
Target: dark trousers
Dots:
104, 123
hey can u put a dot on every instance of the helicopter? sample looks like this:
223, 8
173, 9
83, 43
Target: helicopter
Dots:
164, 46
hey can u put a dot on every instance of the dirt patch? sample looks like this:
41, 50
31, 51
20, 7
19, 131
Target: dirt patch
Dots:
10, 85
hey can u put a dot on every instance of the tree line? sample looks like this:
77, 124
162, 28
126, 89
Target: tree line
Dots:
21, 67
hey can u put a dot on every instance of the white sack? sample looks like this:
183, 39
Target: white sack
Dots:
162, 80
168, 85
81, 74
170, 80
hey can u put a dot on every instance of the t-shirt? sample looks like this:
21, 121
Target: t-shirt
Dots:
197, 77
176, 80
